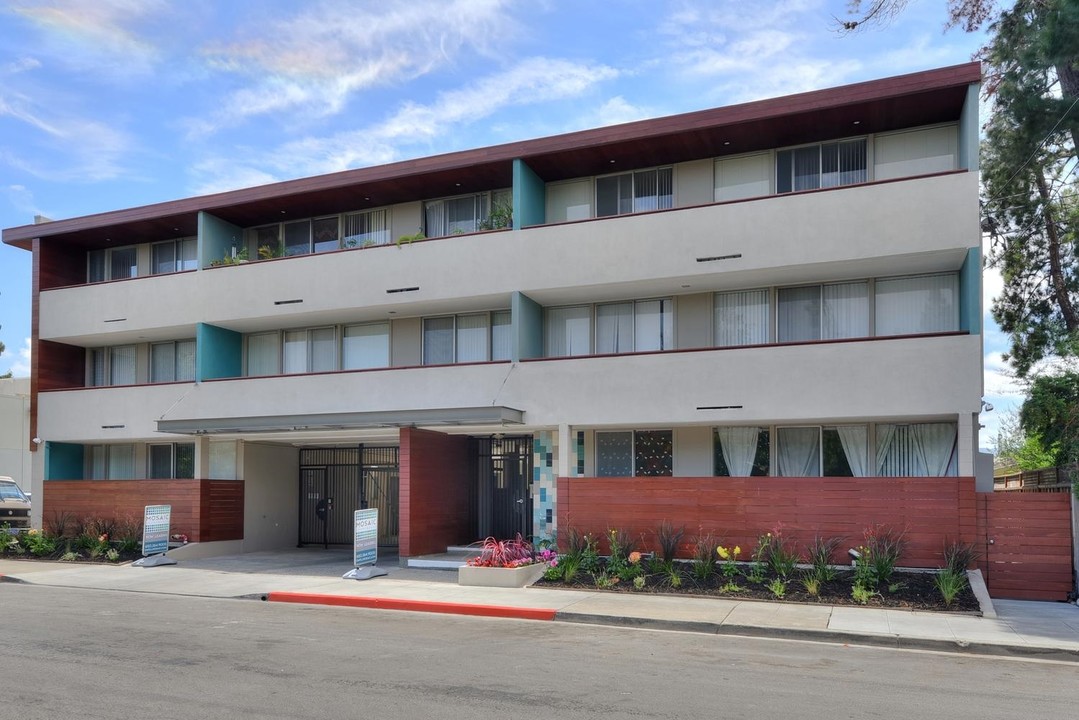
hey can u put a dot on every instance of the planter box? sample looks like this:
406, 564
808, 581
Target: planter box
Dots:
500, 577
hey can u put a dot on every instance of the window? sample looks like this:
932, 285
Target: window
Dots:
110, 462
741, 318
371, 227
266, 240
477, 337
366, 346
917, 450
452, 216
568, 331
923, 304
741, 451
172, 361
174, 256
821, 166
112, 264
640, 453
634, 326
635, 192
172, 460
823, 312
111, 366
309, 350
263, 354
831, 451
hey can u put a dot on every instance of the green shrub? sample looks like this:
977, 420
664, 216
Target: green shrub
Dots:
704, 558
950, 583
39, 543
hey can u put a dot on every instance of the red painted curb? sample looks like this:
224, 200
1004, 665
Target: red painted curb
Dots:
430, 606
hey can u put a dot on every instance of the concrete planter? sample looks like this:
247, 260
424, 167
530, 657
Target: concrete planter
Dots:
500, 577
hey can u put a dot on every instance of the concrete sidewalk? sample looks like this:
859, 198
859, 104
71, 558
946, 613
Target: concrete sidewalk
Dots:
1020, 629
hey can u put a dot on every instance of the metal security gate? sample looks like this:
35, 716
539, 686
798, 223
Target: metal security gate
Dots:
502, 473
333, 484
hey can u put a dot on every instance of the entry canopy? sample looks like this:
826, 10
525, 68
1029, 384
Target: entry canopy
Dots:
493, 415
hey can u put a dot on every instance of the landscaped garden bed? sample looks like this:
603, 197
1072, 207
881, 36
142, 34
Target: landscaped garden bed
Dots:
70, 539
774, 570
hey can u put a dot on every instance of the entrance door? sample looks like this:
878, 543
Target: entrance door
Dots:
503, 474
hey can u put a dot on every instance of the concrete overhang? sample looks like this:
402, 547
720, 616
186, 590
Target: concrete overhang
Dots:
428, 417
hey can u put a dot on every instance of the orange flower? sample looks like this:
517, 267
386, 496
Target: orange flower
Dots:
634, 557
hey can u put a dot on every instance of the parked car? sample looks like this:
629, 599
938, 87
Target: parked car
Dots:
14, 505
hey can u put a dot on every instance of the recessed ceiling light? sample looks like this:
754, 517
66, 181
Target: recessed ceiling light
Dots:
612, 162
726, 142
282, 212
857, 122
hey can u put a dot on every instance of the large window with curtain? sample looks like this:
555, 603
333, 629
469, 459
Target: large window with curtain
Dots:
742, 451
823, 312
365, 346
829, 451
741, 318
263, 355
111, 366
568, 331
109, 462
638, 326
172, 361
473, 337
112, 264
919, 304
635, 453
825, 165
174, 256
917, 450
453, 216
309, 350
634, 192
370, 227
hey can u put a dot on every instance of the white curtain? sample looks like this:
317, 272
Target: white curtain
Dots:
97, 367
653, 325
162, 362
885, 438
438, 341
366, 346
807, 168
799, 452
295, 354
188, 258
855, 441
569, 331
97, 467
367, 228
263, 354
614, 328
472, 337
845, 311
799, 314
434, 218
185, 360
501, 335
223, 460
122, 365
322, 347
923, 304
741, 318
936, 443
739, 446
917, 450
121, 462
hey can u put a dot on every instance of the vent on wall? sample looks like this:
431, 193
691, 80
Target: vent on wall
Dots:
713, 258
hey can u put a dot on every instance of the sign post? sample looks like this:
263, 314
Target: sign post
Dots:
156, 520
365, 546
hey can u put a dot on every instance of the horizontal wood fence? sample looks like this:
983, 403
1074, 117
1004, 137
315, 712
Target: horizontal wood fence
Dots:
1028, 545
1054, 479
204, 510
737, 511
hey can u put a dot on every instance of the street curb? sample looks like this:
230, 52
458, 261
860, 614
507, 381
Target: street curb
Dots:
11, 579
429, 606
827, 636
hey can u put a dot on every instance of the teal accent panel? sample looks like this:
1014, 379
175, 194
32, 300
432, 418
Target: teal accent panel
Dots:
969, 127
527, 327
218, 353
529, 197
544, 484
63, 461
970, 292
217, 238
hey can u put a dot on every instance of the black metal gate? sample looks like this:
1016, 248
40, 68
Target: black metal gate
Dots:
333, 484
502, 473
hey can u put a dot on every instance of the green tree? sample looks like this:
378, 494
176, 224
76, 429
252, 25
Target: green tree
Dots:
8, 373
1015, 448
1052, 414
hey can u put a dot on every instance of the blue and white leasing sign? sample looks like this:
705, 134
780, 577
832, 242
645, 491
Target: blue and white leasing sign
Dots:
365, 542
155, 529
365, 546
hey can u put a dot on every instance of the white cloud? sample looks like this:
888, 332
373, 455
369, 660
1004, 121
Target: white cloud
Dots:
613, 112
315, 61
20, 65
21, 366
218, 175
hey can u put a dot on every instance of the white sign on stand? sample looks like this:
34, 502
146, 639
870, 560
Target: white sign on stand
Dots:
365, 546
156, 521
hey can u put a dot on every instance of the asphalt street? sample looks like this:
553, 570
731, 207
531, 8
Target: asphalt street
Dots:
103, 654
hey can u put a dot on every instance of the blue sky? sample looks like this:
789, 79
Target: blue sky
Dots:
108, 104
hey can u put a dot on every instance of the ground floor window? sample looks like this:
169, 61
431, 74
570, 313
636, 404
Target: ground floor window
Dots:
171, 460
741, 451
629, 453
110, 462
917, 450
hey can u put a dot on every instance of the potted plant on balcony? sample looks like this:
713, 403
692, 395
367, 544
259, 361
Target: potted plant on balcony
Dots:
502, 563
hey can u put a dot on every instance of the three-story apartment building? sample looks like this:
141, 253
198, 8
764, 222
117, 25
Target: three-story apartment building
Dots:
788, 288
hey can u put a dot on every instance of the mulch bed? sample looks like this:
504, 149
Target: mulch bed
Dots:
906, 590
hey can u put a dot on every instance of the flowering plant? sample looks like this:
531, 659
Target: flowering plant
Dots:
505, 553
180, 538
729, 557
